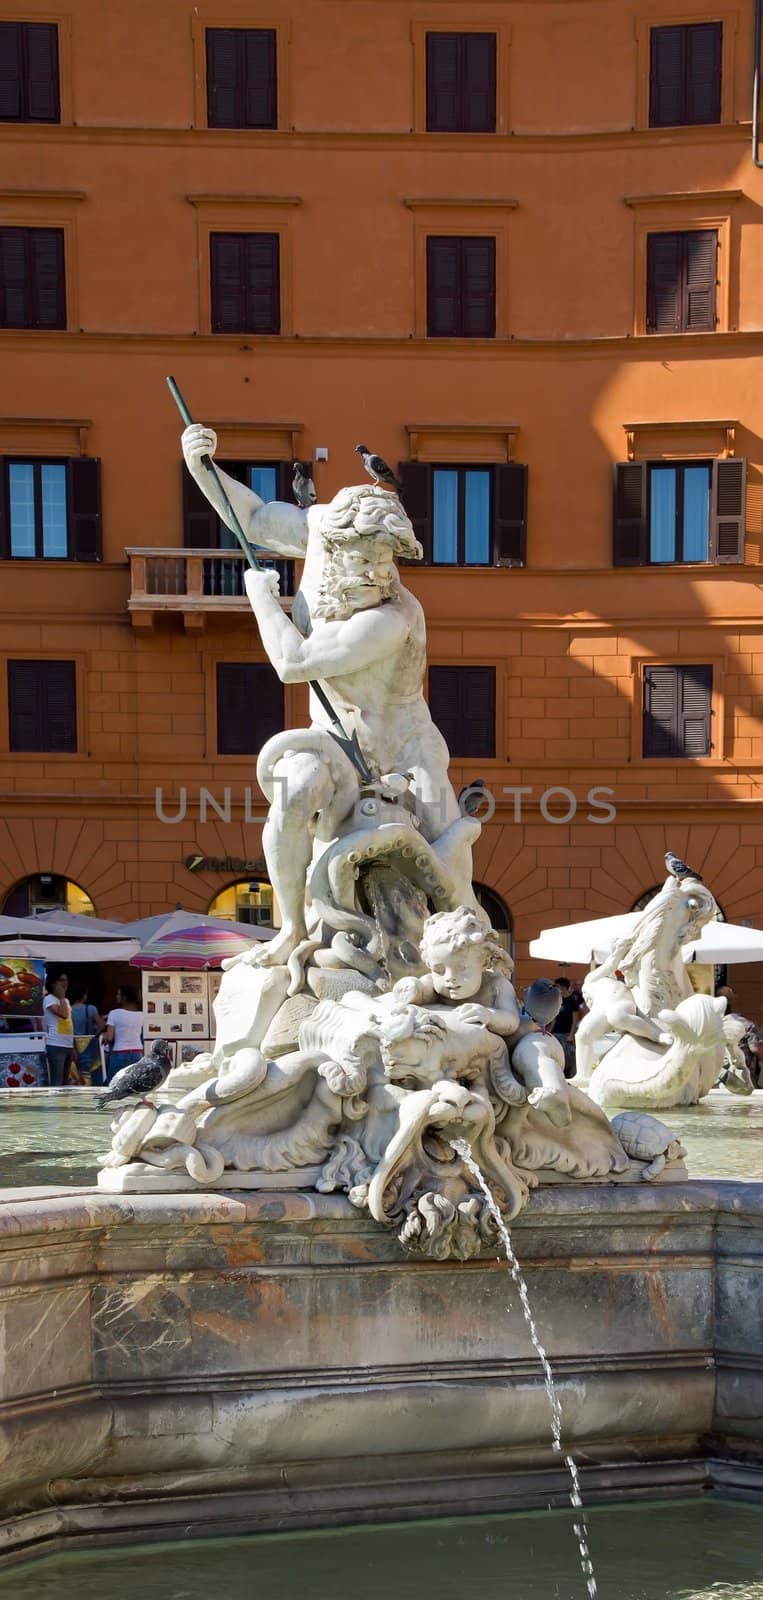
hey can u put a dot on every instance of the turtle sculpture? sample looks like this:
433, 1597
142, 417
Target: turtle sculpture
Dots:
645, 1138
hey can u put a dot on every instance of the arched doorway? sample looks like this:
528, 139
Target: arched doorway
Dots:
47, 891
499, 914
247, 900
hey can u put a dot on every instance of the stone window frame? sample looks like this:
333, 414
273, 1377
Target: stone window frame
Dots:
282, 28
489, 24
231, 213
459, 218
48, 208
677, 658
82, 749
687, 213
653, 18
63, 22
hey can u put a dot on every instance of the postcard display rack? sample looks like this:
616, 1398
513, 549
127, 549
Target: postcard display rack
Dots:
178, 1006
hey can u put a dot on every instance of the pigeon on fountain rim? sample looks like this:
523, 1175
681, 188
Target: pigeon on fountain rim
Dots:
140, 1077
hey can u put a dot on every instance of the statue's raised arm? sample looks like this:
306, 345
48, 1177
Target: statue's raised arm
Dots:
270, 525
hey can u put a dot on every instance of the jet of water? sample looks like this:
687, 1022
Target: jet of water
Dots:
581, 1531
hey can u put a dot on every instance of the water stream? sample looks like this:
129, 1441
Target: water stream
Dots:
576, 1500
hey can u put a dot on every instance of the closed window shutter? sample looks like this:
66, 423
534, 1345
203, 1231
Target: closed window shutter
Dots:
462, 704
701, 271
661, 711
227, 279
510, 515
42, 707
727, 510
46, 253
10, 71
260, 106
41, 39
478, 80
416, 495
443, 287
84, 484
200, 527
443, 82
629, 531
224, 77
704, 45
263, 283
249, 707
13, 278
666, 77
478, 291
664, 264
695, 693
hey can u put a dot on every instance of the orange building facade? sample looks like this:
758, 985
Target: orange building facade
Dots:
571, 185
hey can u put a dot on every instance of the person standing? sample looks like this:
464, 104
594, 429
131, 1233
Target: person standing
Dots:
88, 1024
566, 1021
124, 1031
59, 1030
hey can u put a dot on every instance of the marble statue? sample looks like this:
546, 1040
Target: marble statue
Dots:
381, 1023
648, 1040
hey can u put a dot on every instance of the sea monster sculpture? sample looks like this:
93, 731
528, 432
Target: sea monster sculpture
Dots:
380, 1024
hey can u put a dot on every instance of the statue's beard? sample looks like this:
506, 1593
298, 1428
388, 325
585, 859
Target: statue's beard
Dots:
340, 597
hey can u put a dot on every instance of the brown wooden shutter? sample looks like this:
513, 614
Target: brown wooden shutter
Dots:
10, 71
727, 510
224, 77
443, 82
84, 490
263, 288
200, 524
249, 707
478, 82
629, 519
42, 706
48, 285
700, 276
704, 46
510, 515
416, 495
13, 278
462, 704
695, 693
443, 287
226, 261
478, 288
661, 711
666, 77
42, 96
260, 104
664, 277
5, 519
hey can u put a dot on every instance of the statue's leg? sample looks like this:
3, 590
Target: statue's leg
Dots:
302, 788
539, 1057
438, 808
592, 1028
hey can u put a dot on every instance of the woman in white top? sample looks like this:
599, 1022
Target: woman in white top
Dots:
59, 1031
124, 1030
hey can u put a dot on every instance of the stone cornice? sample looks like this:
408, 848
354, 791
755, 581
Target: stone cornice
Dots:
741, 342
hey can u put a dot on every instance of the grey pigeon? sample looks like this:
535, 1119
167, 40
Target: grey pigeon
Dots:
141, 1076
542, 1001
376, 467
678, 868
470, 799
302, 486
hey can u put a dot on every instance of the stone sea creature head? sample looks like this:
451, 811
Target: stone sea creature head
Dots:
458, 948
406, 1037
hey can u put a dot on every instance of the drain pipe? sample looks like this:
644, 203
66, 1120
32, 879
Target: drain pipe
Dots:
756, 160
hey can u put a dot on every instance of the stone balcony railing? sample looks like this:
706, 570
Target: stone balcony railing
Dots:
193, 583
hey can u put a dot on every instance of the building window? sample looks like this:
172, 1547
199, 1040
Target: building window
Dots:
29, 72
241, 78
467, 515
677, 711
45, 891
462, 703
461, 82
245, 281
681, 281
674, 511
249, 707
42, 706
50, 510
251, 901
32, 278
204, 530
498, 912
685, 74
460, 287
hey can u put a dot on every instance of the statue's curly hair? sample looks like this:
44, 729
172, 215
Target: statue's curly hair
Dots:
463, 927
366, 511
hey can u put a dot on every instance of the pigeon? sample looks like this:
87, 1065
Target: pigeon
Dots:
678, 868
302, 486
471, 798
141, 1076
543, 1001
376, 467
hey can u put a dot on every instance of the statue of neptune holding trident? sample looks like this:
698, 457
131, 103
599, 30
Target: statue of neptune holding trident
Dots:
361, 637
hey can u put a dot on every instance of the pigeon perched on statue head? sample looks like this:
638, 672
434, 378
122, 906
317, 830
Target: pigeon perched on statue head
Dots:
376, 467
678, 868
140, 1077
302, 485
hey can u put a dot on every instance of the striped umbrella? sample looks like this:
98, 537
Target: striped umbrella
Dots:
181, 943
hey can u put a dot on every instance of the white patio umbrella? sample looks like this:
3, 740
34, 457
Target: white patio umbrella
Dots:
725, 944
720, 943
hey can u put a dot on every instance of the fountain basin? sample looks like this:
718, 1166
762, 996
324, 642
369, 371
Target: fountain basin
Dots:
270, 1360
